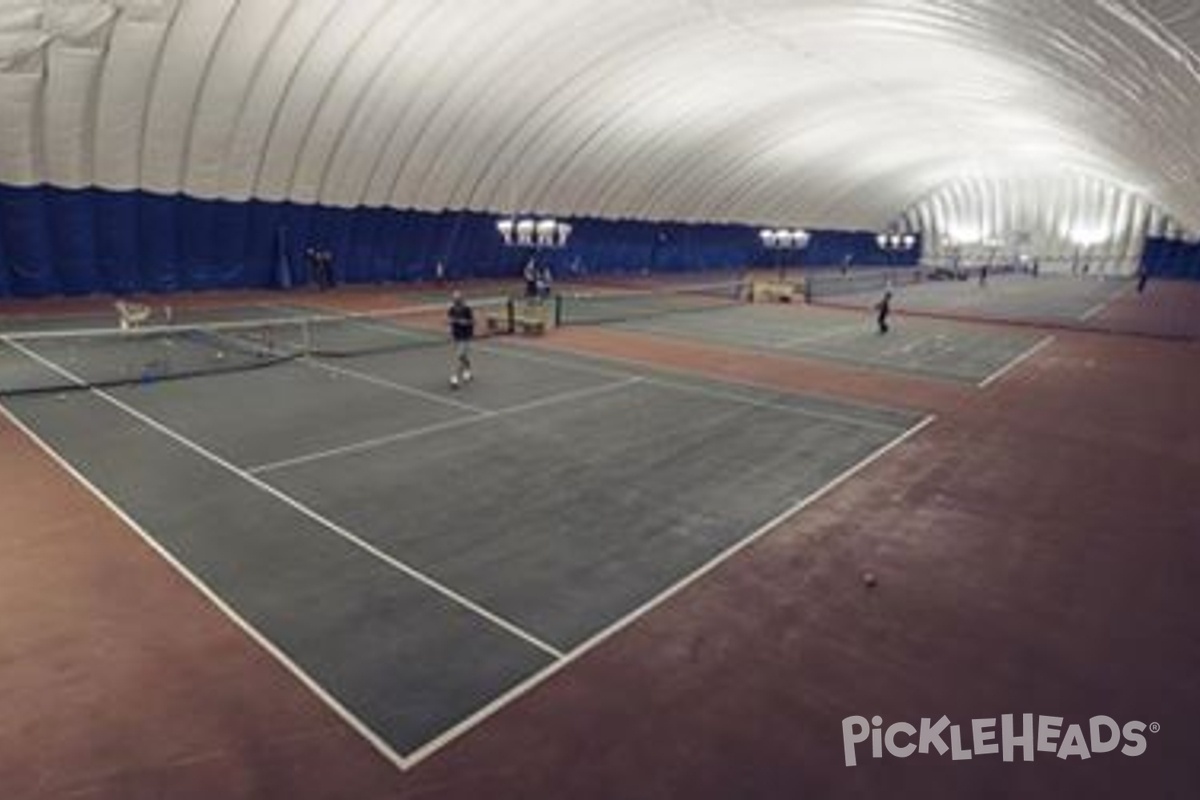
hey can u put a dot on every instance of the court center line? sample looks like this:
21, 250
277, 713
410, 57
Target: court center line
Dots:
1016, 362
372, 444
282, 658
328, 524
701, 390
482, 715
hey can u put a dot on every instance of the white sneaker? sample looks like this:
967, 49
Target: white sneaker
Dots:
453, 381
466, 376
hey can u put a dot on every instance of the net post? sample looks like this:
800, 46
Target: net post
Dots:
510, 313
558, 310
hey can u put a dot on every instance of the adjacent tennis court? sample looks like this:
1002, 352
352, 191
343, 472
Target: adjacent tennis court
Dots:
420, 557
937, 349
1006, 296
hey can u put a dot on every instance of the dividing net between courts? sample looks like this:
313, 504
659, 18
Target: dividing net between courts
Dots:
818, 286
616, 305
51, 361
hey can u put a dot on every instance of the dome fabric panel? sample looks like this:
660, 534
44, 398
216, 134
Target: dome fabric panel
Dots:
812, 112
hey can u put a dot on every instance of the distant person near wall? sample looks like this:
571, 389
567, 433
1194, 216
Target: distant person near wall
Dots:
531, 280
320, 267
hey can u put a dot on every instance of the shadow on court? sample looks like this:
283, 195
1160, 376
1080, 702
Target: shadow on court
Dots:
419, 553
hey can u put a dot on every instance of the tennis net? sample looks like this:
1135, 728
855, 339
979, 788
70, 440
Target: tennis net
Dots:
834, 284
51, 361
621, 306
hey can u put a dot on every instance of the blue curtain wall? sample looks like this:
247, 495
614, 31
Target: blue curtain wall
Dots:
1168, 258
79, 242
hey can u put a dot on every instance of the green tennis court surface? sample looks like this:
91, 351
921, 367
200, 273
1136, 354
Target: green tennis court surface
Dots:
419, 554
1055, 299
928, 348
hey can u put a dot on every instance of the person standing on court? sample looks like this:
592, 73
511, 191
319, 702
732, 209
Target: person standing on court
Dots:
884, 308
462, 331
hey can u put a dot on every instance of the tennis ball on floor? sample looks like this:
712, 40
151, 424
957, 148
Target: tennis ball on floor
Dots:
869, 580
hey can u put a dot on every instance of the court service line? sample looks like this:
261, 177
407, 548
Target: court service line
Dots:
328, 524
531, 683
384, 383
282, 658
884, 364
372, 444
832, 333
1016, 362
704, 391
740, 338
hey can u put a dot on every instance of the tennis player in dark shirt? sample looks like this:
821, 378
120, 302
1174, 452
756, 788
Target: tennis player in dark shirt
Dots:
884, 307
462, 331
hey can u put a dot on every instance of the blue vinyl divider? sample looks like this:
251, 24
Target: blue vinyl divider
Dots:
77, 242
1170, 258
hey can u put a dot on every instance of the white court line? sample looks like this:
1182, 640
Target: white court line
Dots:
833, 333
737, 338
616, 374
1094, 310
749, 401
372, 444
862, 362
485, 713
290, 501
347, 716
702, 390
317, 363
562, 660
1016, 362
394, 386
1100, 307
